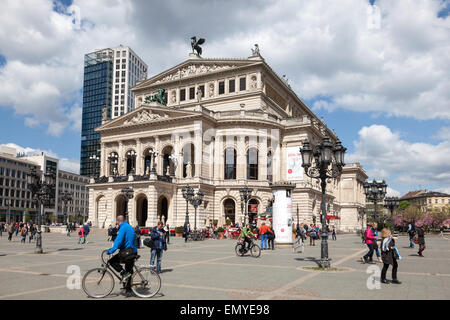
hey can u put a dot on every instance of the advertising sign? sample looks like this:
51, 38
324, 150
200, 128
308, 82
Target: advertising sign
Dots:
282, 216
294, 170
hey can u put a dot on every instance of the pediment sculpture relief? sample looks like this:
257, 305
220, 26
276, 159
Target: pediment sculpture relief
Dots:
145, 116
194, 70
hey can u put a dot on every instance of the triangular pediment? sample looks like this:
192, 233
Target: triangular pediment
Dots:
150, 113
193, 68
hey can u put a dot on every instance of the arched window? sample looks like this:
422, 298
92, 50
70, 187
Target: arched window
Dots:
131, 161
113, 159
188, 157
252, 164
230, 163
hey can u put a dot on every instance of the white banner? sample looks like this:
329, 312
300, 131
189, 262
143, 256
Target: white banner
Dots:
282, 217
294, 169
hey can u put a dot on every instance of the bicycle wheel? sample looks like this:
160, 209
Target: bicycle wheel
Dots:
239, 250
145, 282
256, 251
105, 256
98, 283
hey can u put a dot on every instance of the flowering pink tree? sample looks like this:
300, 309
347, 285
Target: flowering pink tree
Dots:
399, 221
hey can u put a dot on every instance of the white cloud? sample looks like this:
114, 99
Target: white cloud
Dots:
388, 156
325, 48
65, 164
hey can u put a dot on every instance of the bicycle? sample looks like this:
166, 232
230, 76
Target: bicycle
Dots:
241, 250
99, 282
196, 235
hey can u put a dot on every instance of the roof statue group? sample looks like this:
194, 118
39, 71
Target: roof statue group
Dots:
195, 44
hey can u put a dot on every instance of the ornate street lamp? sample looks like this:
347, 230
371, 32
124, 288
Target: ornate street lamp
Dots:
362, 213
42, 193
328, 164
188, 193
128, 193
375, 192
391, 203
66, 197
246, 194
196, 201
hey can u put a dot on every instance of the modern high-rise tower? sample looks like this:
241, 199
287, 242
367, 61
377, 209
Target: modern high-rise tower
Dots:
109, 74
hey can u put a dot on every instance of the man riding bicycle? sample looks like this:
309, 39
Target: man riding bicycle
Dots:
246, 234
126, 243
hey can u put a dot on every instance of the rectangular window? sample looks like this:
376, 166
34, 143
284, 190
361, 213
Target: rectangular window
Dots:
202, 89
231, 85
182, 94
242, 84
221, 87
192, 93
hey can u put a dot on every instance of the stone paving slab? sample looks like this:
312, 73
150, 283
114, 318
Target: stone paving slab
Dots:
210, 270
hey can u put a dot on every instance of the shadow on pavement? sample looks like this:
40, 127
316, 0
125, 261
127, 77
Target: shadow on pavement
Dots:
309, 259
166, 270
69, 249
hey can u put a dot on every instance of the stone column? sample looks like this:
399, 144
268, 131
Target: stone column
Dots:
121, 159
158, 158
262, 154
241, 166
258, 81
152, 216
218, 160
102, 160
198, 148
139, 160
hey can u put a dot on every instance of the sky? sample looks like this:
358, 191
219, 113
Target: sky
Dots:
377, 71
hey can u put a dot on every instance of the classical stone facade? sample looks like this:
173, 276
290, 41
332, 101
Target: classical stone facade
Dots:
227, 123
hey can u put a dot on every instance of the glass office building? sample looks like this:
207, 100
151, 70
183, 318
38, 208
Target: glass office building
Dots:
97, 88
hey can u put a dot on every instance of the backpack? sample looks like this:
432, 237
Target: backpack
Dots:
148, 242
79, 233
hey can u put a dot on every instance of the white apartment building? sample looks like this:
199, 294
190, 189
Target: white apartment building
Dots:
128, 70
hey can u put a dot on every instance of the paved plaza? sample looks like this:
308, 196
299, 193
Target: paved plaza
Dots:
210, 270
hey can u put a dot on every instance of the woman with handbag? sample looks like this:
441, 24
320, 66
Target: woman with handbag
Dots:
389, 255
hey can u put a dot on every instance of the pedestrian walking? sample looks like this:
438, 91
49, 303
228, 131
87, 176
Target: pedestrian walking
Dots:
86, 232
389, 255
263, 232
137, 232
31, 232
187, 230
411, 233
375, 241
271, 237
421, 240
80, 235
17, 228
68, 229
159, 245
1, 229
23, 233
312, 235
369, 237
333, 234
441, 231
167, 234
11, 229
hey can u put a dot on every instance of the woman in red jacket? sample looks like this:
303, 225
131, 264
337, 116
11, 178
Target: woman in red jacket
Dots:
80, 234
369, 237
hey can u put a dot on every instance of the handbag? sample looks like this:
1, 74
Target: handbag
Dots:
416, 239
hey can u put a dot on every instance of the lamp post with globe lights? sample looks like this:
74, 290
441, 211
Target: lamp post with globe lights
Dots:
328, 164
375, 192
246, 194
188, 194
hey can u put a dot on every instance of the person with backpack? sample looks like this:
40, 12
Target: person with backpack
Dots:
411, 233
312, 235
86, 232
421, 240
369, 236
271, 237
159, 245
80, 235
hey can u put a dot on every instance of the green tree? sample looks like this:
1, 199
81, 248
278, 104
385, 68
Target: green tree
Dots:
403, 205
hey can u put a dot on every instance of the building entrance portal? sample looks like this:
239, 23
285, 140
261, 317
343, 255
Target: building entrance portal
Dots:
163, 209
141, 210
229, 208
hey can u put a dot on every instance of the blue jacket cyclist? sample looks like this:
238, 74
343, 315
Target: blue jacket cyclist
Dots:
126, 244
